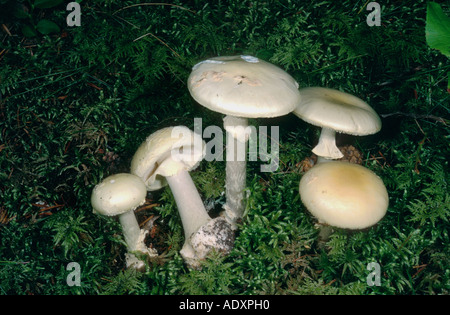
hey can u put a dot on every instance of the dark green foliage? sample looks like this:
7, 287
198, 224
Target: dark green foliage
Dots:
77, 102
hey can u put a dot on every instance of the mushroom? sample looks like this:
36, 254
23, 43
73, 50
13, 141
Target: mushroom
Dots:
241, 87
166, 158
119, 195
335, 111
344, 195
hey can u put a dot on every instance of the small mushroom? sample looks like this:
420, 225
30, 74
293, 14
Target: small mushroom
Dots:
119, 195
241, 87
344, 195
335, 111
166, 158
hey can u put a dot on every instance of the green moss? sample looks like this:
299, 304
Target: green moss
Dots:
76, 104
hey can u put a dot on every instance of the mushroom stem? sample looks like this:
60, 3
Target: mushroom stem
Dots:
134, 237
190, 206
131, 231
236, 164
325, 232
327, 145
201, 232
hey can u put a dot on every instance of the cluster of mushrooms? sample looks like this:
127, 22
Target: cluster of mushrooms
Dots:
337, 193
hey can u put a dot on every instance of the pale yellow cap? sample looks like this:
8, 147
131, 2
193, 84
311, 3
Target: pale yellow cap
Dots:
344, 195
243, 86
340, 111
118, 194
166, 152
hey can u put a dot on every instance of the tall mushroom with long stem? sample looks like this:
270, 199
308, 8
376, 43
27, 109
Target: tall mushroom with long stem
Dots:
335, 111
119, 195
166, 158
241, 87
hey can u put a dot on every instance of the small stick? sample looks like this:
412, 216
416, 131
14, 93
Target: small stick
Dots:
436, 118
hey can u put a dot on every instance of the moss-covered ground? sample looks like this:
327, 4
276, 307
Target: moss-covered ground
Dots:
77, 101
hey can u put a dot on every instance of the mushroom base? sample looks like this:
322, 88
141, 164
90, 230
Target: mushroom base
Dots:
134, 237
216, 235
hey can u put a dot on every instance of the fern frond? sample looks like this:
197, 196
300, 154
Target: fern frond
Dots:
125, 282
434, 202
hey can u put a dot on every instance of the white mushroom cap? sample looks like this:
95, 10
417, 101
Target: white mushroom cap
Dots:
337, 110
243, 86
344, 195
166, 157
166, 152
118, 194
